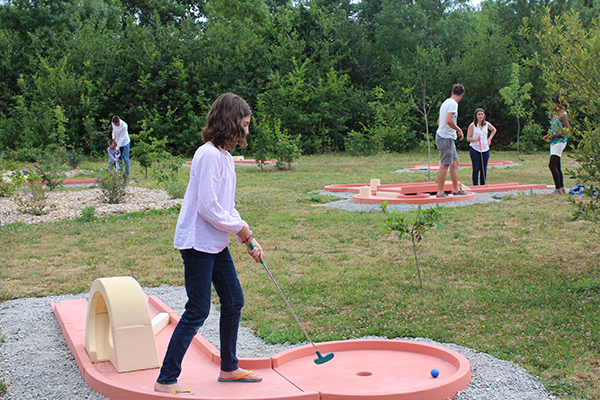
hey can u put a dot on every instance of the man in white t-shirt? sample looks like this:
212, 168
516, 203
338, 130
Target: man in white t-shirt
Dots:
444, 139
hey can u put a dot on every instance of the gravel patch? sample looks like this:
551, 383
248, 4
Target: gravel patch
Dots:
65, 205
403, 170
35, 362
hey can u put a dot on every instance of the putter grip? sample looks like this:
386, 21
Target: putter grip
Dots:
252, 248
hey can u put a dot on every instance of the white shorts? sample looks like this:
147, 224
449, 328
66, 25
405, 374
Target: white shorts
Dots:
556, 149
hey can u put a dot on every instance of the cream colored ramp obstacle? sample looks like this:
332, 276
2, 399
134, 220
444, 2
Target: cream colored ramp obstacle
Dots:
118, 326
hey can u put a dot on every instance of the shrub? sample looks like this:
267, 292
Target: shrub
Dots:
389, 131
46, 168
175, 189
394, 138
166, 172
88, 214
74, 158
532, 138
274, 142
34, 203
11, 182
166, 167
587, 173
357, 143
113, 186
147, 148
262, 144
7, 160
287, 149
48, 176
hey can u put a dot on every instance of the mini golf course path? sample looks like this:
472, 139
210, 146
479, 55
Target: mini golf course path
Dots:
360, 369
421, 192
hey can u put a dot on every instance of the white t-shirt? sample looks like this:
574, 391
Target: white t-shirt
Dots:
120, 134
448, 106
481, 134
208, 213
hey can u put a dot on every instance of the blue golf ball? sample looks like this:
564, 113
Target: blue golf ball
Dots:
435, 373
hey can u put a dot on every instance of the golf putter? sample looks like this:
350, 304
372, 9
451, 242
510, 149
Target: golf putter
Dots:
320, 358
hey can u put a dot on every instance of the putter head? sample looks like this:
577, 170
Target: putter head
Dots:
323, 359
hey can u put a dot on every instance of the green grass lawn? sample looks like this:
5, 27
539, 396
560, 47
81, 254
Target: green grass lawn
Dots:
518, 279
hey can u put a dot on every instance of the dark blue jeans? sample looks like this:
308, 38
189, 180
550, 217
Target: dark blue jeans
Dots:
480, 162
124, 157
200, 270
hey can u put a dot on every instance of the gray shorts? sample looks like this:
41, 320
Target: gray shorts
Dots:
447, 150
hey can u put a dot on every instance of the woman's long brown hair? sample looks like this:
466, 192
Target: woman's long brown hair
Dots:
224, 126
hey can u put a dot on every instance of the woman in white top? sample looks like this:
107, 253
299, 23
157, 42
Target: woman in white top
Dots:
206, 219
477, 136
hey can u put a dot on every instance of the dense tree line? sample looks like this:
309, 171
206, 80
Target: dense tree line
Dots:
333, 73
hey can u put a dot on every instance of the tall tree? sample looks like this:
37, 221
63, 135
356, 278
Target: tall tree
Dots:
166, 11
254, 11
570, 64
515, 96
487, 54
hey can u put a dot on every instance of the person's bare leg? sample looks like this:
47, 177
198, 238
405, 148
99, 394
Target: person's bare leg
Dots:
441, 178
454, 175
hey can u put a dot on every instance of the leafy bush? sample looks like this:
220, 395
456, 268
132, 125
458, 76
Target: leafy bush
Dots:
7, 160
175, 189
357, 143
33, 203
308, 102
395, 138
287, 149
166, 167
389, 131
166, 172
48, 176
25, 154
88, 214
113, 186
532, 138
587, 173
262, 143
74, 157
11, 182
274, 142
47, 167
147, 148
6, 189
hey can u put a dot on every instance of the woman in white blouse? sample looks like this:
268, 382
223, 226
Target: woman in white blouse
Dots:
477, 136
207, 217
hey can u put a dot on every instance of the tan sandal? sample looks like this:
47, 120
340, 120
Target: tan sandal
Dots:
241, 378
